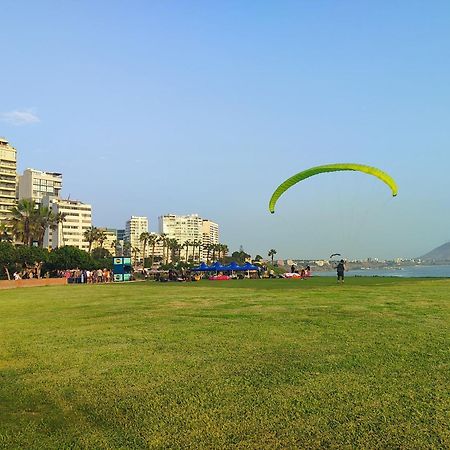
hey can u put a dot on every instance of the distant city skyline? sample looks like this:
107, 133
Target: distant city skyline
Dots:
205, 108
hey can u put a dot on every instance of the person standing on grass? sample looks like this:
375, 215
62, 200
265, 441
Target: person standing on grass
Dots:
341, 268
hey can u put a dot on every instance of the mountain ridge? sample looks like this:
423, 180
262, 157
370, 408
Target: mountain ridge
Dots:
441, 253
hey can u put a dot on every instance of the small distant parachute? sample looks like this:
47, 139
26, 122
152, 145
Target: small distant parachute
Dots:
283, 187
335, 254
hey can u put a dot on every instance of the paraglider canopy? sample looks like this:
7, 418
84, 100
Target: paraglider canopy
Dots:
283, 187
335, 254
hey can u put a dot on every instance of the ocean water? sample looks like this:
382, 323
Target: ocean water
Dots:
406, 272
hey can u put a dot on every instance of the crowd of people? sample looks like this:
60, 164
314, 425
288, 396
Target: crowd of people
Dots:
106, 275
87, 276
26, 274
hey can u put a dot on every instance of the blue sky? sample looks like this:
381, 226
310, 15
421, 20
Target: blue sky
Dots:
181, 107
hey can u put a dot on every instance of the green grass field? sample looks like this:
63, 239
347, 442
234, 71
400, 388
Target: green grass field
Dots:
238, 364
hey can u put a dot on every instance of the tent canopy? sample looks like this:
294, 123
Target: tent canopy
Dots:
217, 267
201, 268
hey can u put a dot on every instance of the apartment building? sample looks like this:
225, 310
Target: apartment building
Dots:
133, 230
36, 184
210, 233
8, 179
191, 228
78, 218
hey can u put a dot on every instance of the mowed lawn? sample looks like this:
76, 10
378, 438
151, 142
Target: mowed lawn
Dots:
238, 364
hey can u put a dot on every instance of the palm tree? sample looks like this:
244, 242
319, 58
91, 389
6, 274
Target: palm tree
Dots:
135, 251
23, 221
186, 245
101, 237
126, 249
208, 247
153, 240
195, 244
59, 219
175, 248
163, 239
171, 249
90, 236
218, 250
272, 253
5, 233
200, 248
46, 219
215, 248
115, 245
224, 249
144, 238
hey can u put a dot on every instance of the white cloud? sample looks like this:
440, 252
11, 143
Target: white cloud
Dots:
20, 117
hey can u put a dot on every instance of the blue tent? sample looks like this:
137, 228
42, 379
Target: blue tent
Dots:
249, 266
202, 268
234, 266
217, 266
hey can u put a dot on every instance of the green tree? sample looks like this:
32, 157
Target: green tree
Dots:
187, 244
173, 247
126, 248
223, 250
68, 257
29, 221
215, 248
46, 219
5, 233
101, 237
23, 221
144, 238
101, 253
116, 248
271, 254
90, 236
31, 258
200, 248
7, 258
164, 240
135, 252
152, 241
240, 257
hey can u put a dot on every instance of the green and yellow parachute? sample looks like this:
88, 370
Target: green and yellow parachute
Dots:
283, 187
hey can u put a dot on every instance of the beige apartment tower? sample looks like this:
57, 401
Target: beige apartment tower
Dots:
133, 230
8, 180
78, 218
191, 228
210, 232
36, 184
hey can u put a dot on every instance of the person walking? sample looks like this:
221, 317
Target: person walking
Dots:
340, 269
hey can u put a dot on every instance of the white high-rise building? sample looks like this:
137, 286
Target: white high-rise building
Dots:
133, 230
189, 228
78, 218
210, 232
8, 180
36, 184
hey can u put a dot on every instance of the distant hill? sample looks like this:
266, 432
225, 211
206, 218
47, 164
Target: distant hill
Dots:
441, 253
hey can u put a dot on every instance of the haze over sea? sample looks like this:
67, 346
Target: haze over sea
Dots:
404, 272
155, 107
